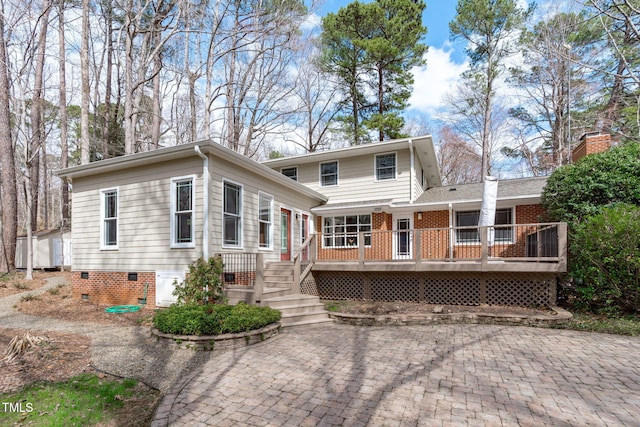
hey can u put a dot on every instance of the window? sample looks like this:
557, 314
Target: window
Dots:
109, 218
328, 174
342, 231
291, 172
232, 215
385, 166
503, 234
182, 219
265, 219
471, 218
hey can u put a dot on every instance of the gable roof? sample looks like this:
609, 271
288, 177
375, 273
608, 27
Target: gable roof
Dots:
422, 145
182, 151
508, 189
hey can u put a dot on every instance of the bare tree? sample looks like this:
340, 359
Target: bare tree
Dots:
84, 71
316, 95
8, 187
64, 128
458, 160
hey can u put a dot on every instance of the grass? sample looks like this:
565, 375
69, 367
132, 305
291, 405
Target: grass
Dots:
588, 322
21, 286
81, 401
335, 306
28, 297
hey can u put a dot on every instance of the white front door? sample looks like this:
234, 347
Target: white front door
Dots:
402, 237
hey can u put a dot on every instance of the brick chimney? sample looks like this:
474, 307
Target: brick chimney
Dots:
590, 143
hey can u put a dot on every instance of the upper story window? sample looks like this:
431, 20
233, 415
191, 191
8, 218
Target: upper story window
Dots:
385, 166
265, 220
109, 218
182, 218
328, 174
232, 215
291, 172
471, 218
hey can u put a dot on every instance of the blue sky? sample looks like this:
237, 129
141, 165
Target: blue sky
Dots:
446, 60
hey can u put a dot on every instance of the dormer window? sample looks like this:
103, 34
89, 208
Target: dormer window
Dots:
385, 166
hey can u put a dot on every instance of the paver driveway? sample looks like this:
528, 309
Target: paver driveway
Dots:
422, 375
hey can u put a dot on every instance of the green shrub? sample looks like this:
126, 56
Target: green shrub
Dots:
213, 319
203, 284
605, 260
578, 190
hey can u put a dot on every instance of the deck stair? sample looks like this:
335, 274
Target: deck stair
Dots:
297, 309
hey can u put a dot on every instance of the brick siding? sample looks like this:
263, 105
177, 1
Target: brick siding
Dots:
114, 288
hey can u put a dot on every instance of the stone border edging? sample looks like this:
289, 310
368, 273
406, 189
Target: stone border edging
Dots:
444, 318
220, 342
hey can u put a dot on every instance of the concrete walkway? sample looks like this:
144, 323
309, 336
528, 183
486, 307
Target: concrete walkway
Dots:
450, 375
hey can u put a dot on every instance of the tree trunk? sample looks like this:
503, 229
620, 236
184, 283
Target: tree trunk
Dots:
37, 125
8, 187
84, 74
64, 147
380, 103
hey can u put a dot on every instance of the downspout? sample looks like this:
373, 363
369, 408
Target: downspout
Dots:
452, 234
413, 172
205, 202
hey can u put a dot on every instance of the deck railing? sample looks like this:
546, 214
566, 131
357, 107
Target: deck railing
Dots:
528, 243
303, 261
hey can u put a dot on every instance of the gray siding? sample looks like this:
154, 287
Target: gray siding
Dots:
145, 209
143, 219
252, 183
357, 179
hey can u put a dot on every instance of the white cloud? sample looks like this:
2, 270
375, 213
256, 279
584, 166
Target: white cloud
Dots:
311, 22
433, 80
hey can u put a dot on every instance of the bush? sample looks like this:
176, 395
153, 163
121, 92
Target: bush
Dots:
605, 260
213, 319
576, 191
203, 284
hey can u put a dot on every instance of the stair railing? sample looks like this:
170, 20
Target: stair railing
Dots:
303, 261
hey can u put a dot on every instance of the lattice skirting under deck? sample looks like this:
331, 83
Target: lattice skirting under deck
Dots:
515, 289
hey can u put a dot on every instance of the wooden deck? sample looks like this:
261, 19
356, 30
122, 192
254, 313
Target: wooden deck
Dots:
539, 248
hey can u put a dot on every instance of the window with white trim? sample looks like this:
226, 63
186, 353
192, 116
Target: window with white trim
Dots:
232, 215
471, 218
342, 231
109, 218
385, 166
182, 213
328, 174
291, 172
265, 220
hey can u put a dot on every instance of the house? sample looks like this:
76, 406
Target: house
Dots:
391, 231
371, 221
140, 220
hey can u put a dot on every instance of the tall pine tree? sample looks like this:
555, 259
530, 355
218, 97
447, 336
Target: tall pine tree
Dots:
371, 49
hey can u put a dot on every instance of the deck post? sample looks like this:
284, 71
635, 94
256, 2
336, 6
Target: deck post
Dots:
562, 247
313, 248
258, 286
295, 287
361, 248
417, 238
484, 247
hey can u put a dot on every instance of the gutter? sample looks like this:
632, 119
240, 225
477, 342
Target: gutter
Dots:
205, 202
